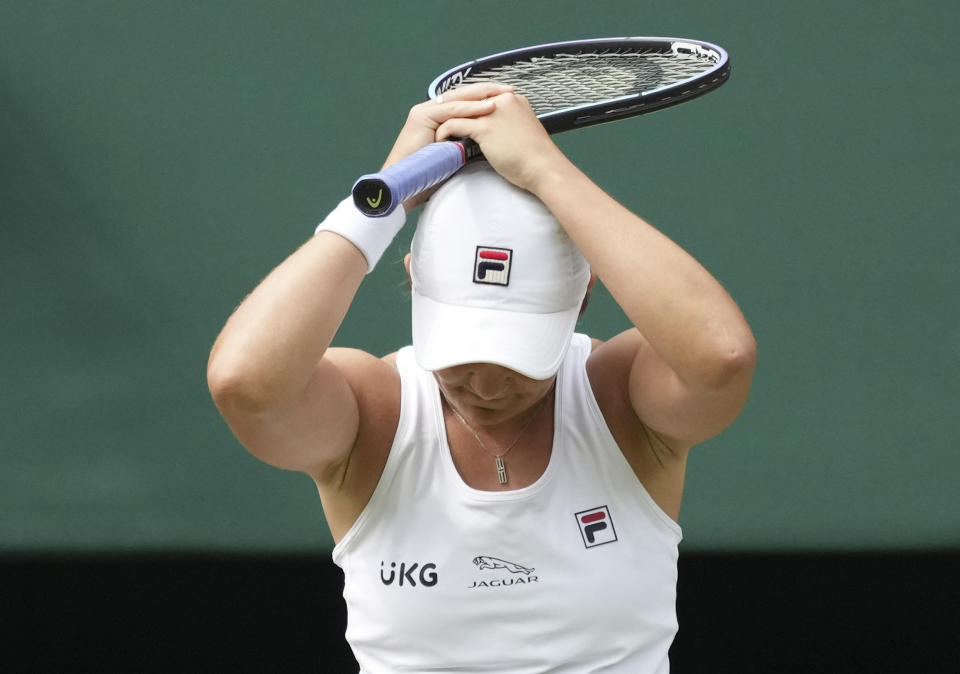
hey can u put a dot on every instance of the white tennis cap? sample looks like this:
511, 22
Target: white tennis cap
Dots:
495, 278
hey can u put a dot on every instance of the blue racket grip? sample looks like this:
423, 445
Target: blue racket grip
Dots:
378, 194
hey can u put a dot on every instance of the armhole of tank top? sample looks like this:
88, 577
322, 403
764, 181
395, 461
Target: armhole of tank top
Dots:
593, 407
407, 389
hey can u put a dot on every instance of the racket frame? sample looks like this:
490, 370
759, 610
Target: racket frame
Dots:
378, 194
599, 112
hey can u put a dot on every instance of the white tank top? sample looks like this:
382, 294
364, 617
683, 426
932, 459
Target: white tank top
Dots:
575, 573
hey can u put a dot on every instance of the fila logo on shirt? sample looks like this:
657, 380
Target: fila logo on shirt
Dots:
596, 526
492, 265
407, 574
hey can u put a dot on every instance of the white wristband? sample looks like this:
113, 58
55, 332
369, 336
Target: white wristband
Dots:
371, 236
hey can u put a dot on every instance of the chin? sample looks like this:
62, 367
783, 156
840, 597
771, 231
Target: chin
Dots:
488, 416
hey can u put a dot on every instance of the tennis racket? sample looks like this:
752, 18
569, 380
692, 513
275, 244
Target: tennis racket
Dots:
570, 85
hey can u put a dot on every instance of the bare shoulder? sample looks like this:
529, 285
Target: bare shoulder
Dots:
610, 361
658, 462
375, 383
362, 366
608, 369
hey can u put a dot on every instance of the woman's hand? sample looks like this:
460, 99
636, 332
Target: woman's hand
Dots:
511, 137
423, 121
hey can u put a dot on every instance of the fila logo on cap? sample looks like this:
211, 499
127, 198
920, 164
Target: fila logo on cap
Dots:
596, 526
492, 265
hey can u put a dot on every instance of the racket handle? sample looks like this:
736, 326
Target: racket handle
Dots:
378, 194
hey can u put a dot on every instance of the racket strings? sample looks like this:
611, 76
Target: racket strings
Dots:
562, 81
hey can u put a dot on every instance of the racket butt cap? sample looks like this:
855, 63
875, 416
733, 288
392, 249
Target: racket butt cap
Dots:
372, 197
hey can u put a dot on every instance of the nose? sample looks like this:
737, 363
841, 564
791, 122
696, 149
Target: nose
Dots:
488, 381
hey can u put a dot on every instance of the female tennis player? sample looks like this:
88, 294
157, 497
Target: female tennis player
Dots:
504, 493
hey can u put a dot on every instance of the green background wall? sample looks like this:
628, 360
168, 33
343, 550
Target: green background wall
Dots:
158, 158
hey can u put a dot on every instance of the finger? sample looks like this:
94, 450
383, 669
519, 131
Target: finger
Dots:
457, 127
508, 98
475, 91
439, 114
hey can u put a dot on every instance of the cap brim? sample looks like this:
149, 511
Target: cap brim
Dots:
532, 344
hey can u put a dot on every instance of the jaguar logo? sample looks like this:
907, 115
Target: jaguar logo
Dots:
484, 562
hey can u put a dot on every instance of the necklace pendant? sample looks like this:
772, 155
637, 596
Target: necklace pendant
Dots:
501, 470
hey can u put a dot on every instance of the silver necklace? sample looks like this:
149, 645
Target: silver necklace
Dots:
498, 458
